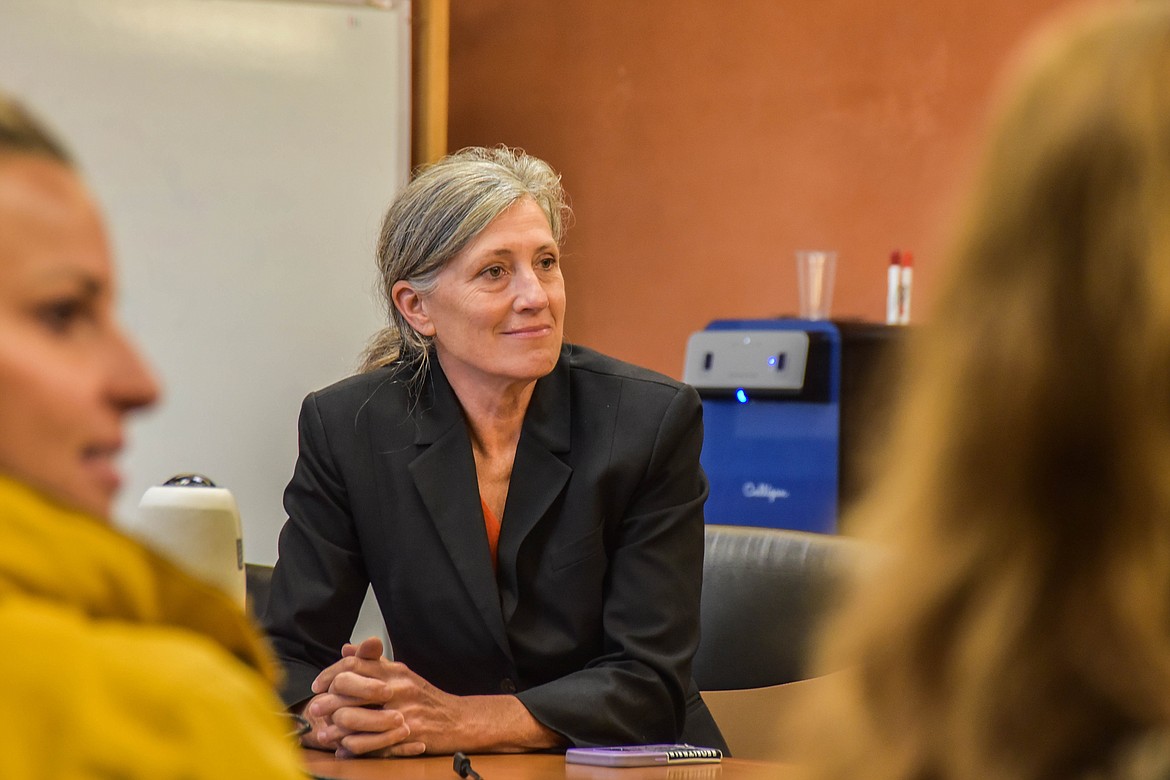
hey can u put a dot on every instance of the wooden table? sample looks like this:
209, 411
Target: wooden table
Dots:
533, 767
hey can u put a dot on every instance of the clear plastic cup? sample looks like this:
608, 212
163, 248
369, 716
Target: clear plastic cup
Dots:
815, 271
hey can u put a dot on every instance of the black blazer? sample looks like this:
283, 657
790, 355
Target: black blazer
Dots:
593, 616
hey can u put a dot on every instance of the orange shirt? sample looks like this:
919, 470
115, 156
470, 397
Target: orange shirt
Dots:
492, 524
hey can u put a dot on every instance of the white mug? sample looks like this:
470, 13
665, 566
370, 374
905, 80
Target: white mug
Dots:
196, 525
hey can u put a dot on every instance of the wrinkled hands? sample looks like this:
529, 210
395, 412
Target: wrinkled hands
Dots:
368, 705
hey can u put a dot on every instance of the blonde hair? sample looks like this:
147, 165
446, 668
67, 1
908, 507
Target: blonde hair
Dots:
1021, 625
22, 133
436, 215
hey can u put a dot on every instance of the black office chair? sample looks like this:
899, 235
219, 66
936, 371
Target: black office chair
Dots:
258, 582
765, 591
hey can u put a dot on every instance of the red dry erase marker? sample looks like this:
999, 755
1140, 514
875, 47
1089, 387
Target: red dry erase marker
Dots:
906, 282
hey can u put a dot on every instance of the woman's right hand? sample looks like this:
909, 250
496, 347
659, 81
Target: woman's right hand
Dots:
317, 727
319, 724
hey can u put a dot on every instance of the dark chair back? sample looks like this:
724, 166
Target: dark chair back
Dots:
764, 592
258, 578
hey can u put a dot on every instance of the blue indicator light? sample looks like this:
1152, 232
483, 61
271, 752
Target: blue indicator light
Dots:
741, 396
772, 360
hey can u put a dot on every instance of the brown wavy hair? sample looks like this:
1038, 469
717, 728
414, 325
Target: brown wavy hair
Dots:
1019, 626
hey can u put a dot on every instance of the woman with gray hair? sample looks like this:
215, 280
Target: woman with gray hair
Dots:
528, 512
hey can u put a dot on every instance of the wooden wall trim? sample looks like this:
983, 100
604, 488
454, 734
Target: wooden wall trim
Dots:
430, 36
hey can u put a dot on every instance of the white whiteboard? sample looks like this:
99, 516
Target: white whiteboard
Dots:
244, 152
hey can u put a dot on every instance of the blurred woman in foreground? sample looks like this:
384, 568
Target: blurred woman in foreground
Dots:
1021, 626
115, 664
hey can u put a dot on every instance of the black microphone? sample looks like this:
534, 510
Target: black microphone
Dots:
463, 767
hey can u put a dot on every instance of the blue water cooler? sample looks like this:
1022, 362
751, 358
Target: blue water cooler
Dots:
780, 400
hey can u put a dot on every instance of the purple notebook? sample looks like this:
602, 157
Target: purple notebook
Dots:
643, 755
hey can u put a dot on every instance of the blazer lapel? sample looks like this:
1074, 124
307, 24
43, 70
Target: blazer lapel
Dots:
442, 474
538, 473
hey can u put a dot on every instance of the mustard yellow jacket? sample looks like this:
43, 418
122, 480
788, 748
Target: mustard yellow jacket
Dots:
113, 663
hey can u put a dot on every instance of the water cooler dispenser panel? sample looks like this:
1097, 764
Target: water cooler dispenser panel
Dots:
771, 421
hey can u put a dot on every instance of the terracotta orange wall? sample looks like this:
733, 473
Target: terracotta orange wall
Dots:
703, 142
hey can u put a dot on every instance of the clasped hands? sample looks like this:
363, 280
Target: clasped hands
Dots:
366, 705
